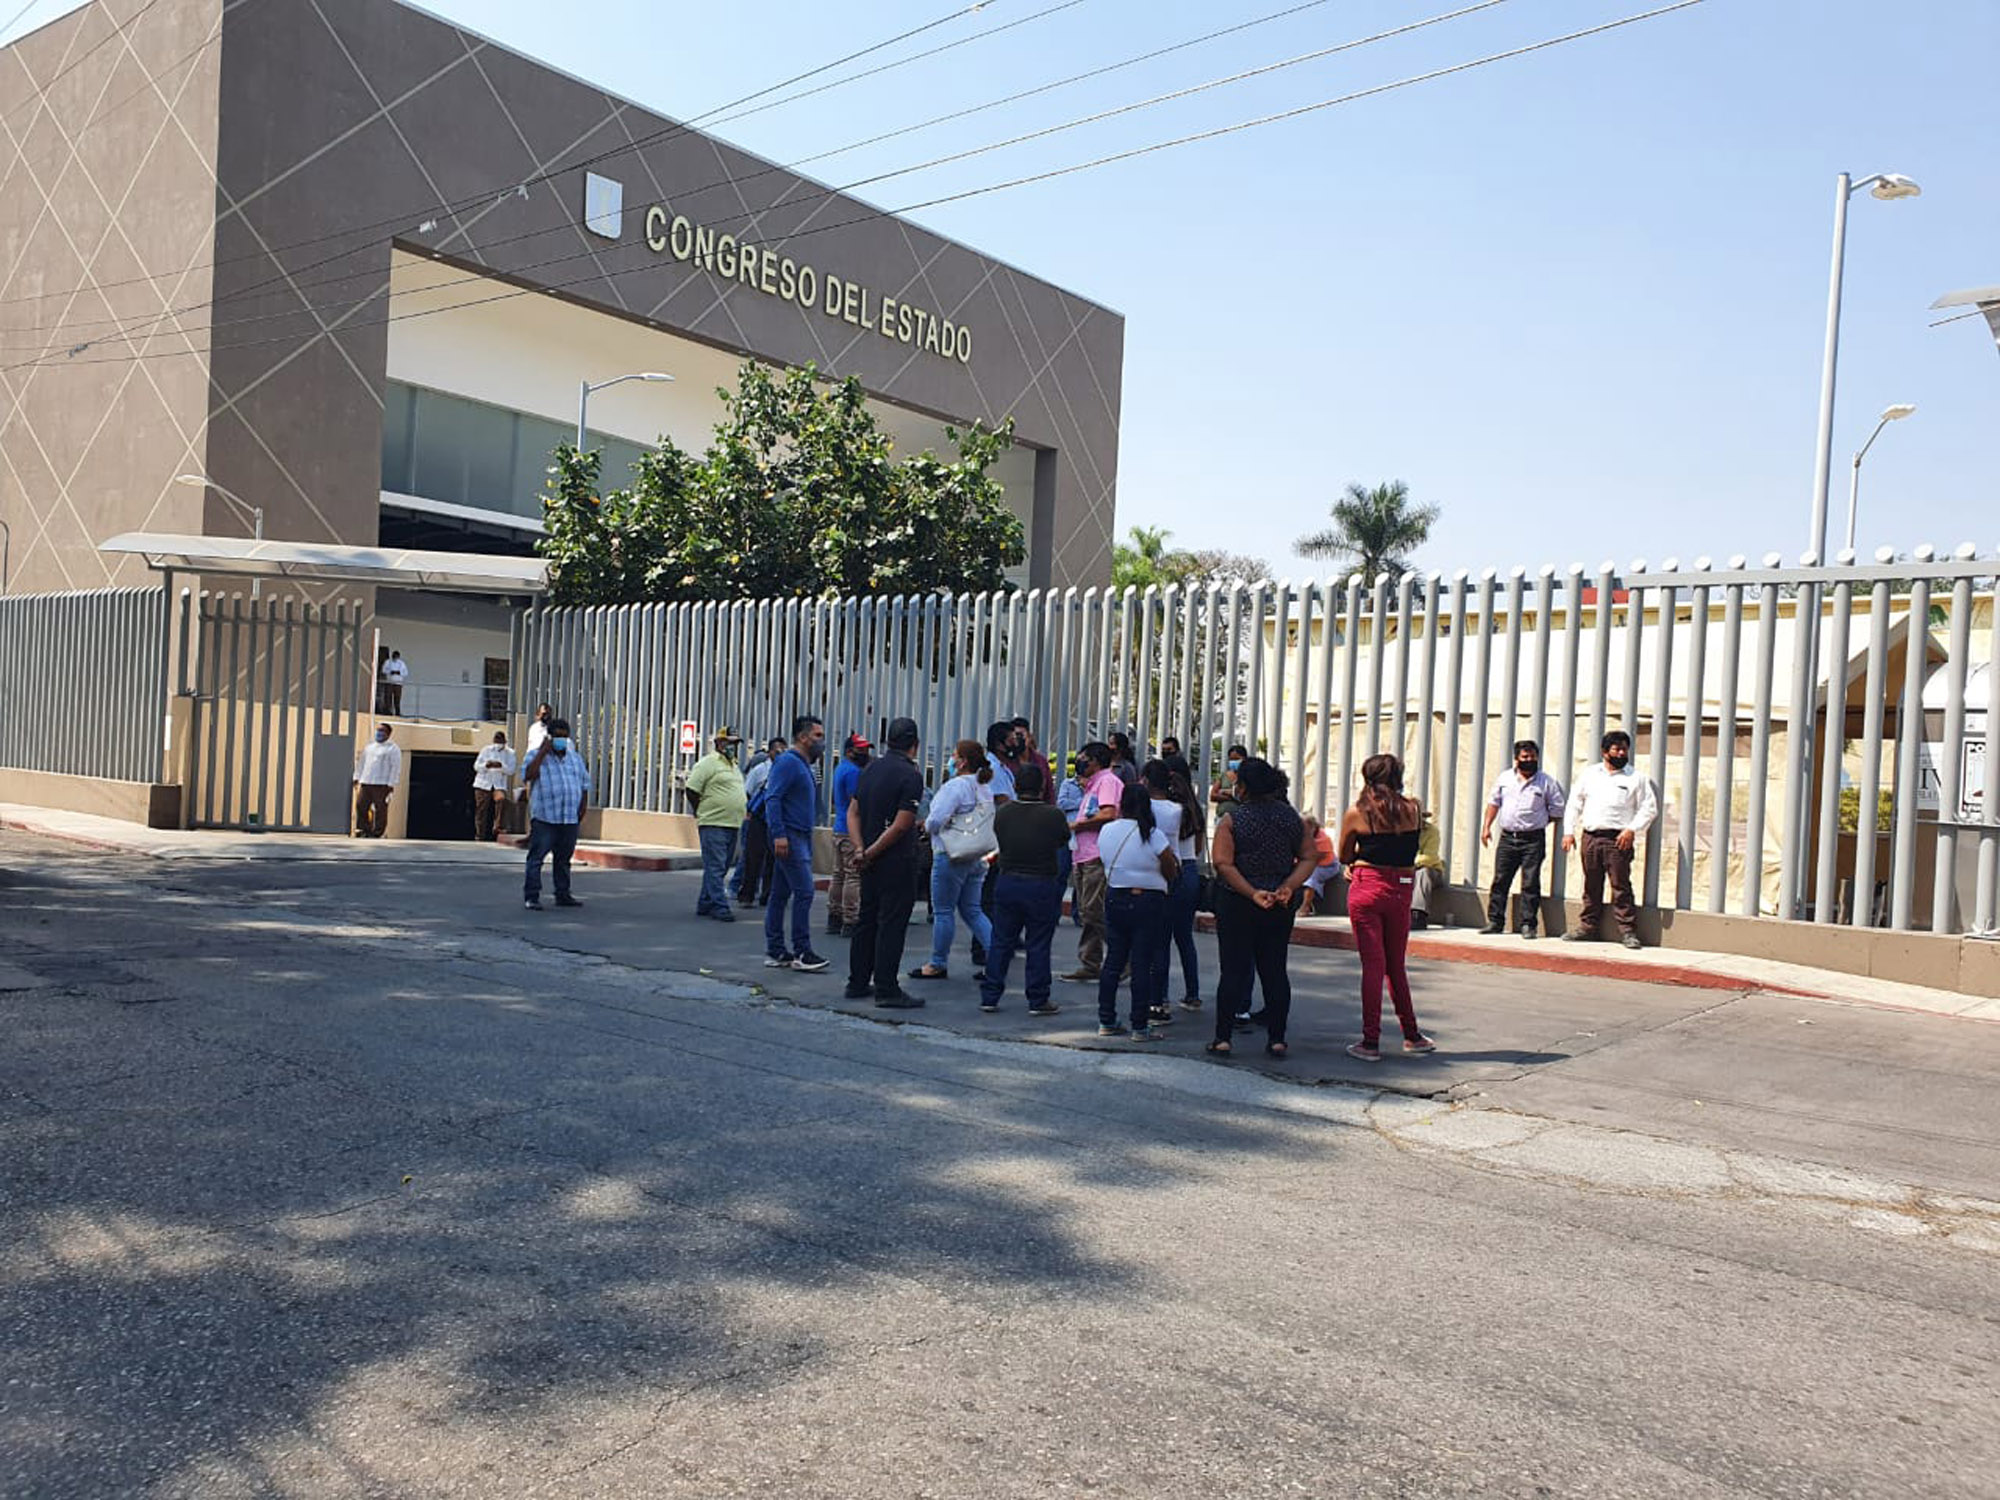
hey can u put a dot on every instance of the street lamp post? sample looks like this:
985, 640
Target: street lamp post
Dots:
1888, 186
1893, 414
255, 513
583, 397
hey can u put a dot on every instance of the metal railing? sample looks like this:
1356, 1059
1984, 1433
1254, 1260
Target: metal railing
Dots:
1768, 727
83, 683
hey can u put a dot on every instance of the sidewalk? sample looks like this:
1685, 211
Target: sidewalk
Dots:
115, 837
1681, 968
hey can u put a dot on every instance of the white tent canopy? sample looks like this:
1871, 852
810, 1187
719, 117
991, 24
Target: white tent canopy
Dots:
326, 562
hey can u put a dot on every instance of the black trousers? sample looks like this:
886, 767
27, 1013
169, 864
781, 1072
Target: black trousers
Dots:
1523, 852
881, 927
753, 881
1253, 942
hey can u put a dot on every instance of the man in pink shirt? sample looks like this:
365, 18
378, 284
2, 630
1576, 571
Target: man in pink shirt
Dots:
1101, 791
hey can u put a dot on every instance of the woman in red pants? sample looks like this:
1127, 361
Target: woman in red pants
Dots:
1378, 844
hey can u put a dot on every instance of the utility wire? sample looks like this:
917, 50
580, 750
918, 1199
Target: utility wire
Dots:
116, 33
116, 336
1206, 135
673, 128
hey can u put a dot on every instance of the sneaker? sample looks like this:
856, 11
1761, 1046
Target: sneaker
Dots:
1365, 1052
532, 905
899, 1001
1578, 935
1530, 933
1080, 976
777, 960
809, 962
723, 914
1491, 929
567, 901
1159, 1015
991, 1007
1147, 1034
1192, 1002
1046, 1008
1112, 1031
1418, 1044
1243, 1021
858, 992
1631, 940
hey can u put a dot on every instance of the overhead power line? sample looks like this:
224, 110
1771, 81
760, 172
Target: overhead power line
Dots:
154, 322
1053, 173
491, 193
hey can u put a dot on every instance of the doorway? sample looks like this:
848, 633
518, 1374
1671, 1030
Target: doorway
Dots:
440, 795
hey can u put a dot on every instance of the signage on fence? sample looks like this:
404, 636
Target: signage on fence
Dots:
690, 737
1971, 773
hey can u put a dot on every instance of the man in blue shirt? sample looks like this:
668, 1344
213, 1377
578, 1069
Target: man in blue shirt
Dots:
790, 798
561, 785
843, 892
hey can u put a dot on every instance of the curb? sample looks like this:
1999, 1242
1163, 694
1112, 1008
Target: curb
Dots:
614, 859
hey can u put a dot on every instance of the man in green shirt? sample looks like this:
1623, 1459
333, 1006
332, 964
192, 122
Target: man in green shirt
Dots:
715, 792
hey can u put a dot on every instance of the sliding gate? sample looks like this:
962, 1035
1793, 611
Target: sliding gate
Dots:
278, 687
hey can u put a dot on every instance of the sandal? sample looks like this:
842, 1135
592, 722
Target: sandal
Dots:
1221, 1049
1277, 1049
927, 971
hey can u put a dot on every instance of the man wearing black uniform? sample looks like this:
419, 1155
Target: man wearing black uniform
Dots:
883, 816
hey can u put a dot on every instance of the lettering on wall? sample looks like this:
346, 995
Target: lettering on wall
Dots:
766, 269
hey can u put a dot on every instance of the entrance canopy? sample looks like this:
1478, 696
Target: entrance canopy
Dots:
326, 562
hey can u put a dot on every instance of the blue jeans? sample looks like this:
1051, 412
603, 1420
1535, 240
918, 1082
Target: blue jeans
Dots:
1180, 934
956, 885
791, 884
1021, 902
1135, 929
718, 847
546, 838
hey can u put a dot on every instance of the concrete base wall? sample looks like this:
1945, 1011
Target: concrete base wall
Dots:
146, 803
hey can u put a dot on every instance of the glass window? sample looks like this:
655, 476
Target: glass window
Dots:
396, 399
535, 440
463, 451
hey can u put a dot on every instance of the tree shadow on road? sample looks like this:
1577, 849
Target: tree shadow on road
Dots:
306, 1204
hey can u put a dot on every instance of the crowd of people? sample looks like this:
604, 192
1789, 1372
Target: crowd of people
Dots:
1134, 845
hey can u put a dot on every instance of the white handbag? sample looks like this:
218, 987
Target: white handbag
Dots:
969, 835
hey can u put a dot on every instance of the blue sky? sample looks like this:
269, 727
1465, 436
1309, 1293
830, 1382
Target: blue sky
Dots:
1575, 299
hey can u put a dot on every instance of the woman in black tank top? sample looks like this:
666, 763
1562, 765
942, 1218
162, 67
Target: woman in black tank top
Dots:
1378, 844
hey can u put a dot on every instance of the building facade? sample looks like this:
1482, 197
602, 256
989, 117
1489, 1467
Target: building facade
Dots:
351, 262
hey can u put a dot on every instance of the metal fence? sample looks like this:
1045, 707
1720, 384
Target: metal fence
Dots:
1771, 707
278, 686
83, 683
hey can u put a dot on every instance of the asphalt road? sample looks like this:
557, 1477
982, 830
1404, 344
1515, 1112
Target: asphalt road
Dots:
338, 1183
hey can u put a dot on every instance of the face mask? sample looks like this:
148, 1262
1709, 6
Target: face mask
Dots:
1234, 764
381, 736
1617, 758
813, 752
1528, 767
559, 742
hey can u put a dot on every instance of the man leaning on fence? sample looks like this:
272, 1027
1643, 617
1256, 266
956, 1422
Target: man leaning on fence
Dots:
715, 792
560, 795
1611, 806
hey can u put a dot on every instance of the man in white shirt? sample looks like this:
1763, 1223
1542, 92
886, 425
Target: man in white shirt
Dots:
375, 776
1611, 805
395, 672
490, 774
538, 730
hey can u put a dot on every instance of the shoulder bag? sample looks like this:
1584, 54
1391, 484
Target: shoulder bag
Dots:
968, 835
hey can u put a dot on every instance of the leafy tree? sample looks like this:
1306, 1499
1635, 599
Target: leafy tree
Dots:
1374, 531
798, 495
1145, 560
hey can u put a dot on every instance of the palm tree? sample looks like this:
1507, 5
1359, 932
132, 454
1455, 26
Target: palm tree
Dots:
1376, 529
